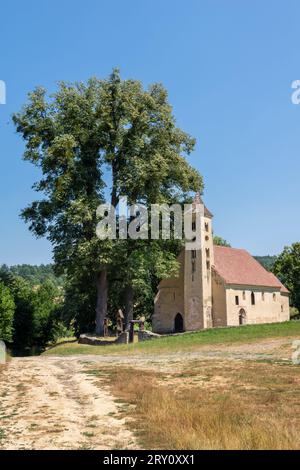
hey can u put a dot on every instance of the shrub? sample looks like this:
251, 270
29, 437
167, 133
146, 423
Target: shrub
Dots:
7, 308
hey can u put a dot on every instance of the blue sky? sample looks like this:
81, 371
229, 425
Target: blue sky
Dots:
228, 67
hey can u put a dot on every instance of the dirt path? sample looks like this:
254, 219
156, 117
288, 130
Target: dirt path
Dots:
53, 404
273, 350
50, 402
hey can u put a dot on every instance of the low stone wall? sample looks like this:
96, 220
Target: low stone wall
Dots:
123, 338
145, 335
96, 341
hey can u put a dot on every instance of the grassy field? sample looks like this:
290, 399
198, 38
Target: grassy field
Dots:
186, 342
210, 405
237, 389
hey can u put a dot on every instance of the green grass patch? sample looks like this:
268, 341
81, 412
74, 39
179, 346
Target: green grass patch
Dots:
187, 341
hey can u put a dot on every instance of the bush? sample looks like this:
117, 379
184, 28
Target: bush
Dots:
7, 308
37, 314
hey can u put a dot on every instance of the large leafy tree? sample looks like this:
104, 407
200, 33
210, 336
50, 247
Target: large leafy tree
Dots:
72, 136
287, 268
147, 155
7, 308
64, 138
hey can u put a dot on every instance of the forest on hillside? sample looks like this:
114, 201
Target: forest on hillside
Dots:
35, 275
267, 262
38, 274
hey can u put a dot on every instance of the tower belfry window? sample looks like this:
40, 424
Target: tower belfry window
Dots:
206, 227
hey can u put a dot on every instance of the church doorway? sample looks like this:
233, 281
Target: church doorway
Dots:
178, 323
242, 317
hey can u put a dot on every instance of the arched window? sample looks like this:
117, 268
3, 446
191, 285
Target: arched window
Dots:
207, 252
206, 227
252, 298
178, 323
242, 317
244, 295
274, 297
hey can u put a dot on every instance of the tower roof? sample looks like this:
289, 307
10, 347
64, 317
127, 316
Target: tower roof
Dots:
198, 200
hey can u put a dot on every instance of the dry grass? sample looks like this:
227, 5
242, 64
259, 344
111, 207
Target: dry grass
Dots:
225, 406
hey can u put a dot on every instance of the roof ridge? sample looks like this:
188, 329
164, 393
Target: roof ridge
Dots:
238, 266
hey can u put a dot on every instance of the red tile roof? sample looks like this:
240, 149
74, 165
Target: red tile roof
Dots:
239, 267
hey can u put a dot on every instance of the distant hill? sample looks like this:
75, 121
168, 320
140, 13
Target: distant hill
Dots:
34, 274
38, 274
266, 261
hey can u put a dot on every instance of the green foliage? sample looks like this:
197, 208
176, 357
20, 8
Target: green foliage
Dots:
24, 313
144, 263
79, 303
220, 241
47, 311
72, 137
7, 308
266, 261
287, 269
37, 317
35, 275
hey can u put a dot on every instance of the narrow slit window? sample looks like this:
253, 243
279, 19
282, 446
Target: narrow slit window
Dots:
193, 267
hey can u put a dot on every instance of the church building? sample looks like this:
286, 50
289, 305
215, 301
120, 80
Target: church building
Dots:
218, 286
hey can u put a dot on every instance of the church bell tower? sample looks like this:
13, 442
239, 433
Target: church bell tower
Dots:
197, 271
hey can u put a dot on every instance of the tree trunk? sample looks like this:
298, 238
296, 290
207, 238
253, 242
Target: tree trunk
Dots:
101, 308
128, 304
